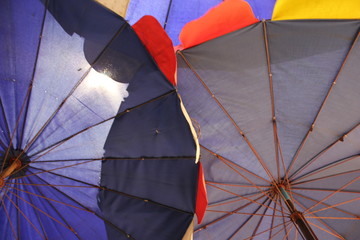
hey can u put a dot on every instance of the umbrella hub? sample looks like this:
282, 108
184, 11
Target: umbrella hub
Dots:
13, 164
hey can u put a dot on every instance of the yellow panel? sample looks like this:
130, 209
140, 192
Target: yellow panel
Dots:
316, 9
117, 6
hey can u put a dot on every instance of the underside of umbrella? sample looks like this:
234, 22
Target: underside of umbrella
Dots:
278, 108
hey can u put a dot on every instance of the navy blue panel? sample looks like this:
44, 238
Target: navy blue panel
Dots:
96, 24
142, 220
155, 129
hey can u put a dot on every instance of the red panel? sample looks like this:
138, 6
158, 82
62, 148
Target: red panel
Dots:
201, 198
159, 45
226, 17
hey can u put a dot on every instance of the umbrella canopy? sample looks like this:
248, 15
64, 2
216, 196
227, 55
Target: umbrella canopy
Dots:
94, 143
278, 108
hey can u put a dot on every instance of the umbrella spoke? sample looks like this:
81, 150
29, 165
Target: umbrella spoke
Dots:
322, 106
325, 177
327, 167
227, 215
243, 197
85, 208
16, 205
232, 200
282, 212
332, 194
277, 146
240, 213
270, 229
311, 161
8, 218
46, 198
262, 218
59, 143
328, 206
41, 211
320, 220
228, 163
288, 231
325, 230
107, 189
248, 219
236, 185
239, 130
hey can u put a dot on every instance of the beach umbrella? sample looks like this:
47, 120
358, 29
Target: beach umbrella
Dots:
277, 108
94, 142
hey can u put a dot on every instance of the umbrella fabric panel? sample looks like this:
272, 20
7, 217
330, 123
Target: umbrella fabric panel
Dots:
305, 59
340, 113
16, 38
227, 77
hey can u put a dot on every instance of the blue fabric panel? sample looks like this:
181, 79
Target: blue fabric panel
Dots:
159, 130
138, 220
262, 8
20, 24
137, 9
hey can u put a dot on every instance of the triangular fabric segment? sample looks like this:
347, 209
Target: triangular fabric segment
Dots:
320, 9
226, 17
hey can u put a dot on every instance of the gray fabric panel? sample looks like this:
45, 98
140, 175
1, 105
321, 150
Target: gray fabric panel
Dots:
305, 58
340, 155
234, 67
217, 133
341, 112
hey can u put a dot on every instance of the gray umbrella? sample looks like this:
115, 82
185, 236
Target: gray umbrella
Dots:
278, 109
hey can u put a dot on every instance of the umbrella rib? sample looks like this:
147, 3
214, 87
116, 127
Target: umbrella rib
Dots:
223, 159
8, 218
282, 212
311, 161
231, 200
274, 122
325, 230
61, 216
46, 198
37, 215
257, 155
115, 159
324, 177
273, 215
27, 99
322, 106
334, 233
236, 185
167, 14
226, 215
43, 212
332, 194
247, 220
270, 229
101, 122
262, 218
242, 196
121, 28
328, 206
24, 215
248, 214
326, 190
326, 167
85, 208
115, 191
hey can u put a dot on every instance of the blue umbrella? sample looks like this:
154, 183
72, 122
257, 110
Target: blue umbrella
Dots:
93, 141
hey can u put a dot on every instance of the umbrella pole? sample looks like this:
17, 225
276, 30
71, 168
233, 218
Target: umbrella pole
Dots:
15, 164
297, 217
